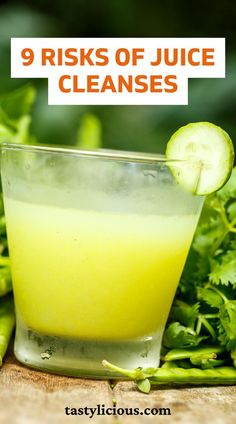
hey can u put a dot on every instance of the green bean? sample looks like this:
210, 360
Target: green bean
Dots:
168, 375
194, 376
5, 280
7, 323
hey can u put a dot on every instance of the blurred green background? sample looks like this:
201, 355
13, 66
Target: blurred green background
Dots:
145, 128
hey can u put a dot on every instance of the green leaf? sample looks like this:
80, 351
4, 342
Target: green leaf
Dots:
223, 270
233, 355
5, 280
7, 323
209, 296
232, 245
14, 118
184, 313
90, 132
18, 102
229, 190
227, 328
144, 385
211, 207
196, 269
207, 235
6, 133
178, 336
232, 211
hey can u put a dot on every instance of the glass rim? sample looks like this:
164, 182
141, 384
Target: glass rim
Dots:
110, 154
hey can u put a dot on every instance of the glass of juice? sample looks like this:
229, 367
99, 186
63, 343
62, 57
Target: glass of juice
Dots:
97, 242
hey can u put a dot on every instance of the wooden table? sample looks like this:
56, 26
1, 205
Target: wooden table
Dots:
33, 397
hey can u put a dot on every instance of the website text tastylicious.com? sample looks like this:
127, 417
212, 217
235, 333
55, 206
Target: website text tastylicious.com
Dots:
115, 411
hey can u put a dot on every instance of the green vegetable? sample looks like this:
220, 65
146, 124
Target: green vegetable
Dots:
5, 280
15, 121
178, 335
144, 385
176, 376
211, 147
205, 304
205, 351
203, 357
7, 323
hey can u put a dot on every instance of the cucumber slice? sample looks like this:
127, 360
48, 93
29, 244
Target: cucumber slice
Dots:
208, 144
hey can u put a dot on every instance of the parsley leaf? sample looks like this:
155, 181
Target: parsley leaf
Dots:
229, 190
209, 296
15, 119
184, 313
205, 302
232, 210
207, 235
179, 336
227, 325
223, 270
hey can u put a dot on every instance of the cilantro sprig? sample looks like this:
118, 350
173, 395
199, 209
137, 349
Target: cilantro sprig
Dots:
204, 310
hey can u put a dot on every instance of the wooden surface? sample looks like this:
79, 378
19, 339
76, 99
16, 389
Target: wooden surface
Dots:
33, 397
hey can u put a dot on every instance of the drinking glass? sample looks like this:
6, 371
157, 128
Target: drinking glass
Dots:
97, 242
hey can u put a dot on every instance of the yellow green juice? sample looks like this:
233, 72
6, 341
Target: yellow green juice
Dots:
95, 275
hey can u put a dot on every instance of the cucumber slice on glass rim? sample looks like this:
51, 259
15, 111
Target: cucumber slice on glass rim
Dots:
207, 144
